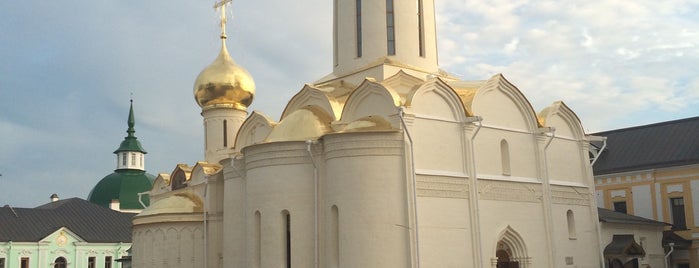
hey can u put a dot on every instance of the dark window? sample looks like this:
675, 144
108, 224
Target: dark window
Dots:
60, 262
678, 217
420, 29
390, 28
620, 207
287, 236
108, 262
359, 27
225, 133
2, 262
24, 263
91, 262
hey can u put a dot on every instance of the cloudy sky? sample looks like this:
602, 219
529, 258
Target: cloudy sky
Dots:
68, 68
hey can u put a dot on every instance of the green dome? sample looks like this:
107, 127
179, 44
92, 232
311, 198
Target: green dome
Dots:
124, 185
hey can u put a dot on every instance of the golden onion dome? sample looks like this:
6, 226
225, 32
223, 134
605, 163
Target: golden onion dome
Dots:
224, 84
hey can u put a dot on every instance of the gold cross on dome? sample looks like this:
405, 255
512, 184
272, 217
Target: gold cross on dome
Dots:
222, 6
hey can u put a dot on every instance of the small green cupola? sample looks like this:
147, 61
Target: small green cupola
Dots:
130, 154
120, 190
130, 143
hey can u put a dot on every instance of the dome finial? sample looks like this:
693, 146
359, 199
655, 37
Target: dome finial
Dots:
130, 143
131, 121
222, 5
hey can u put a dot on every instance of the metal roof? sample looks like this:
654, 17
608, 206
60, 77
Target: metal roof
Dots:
610, 216
666, 144
93, 223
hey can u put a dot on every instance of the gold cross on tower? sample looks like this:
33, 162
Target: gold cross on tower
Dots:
222, 5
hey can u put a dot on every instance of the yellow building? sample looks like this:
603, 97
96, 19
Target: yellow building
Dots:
652, 171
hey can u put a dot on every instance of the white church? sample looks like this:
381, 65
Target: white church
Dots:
388, 161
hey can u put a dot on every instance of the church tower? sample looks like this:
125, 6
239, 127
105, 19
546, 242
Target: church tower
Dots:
120, 190
376, 38
223, 90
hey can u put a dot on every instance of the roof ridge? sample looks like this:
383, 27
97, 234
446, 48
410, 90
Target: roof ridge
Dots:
656, 124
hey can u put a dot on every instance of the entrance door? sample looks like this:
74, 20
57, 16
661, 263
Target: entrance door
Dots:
504, 260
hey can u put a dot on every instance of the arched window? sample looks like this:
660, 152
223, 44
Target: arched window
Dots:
571, 224
287, 237
60, 262
505, 157
225, 133
334, 245
358, 18
257, 260
420, 29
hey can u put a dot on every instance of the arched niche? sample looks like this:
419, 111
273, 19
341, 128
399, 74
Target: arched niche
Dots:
501, 104
402, 83
512, 246
563, 119
436, 99
370, 98
310, 95
254, 130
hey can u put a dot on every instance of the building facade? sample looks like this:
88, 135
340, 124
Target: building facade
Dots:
652, 171
386, 162
63, 233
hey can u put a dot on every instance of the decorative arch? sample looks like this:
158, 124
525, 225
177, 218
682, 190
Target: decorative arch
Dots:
310, 95
161, 184
498, 84
402, 83
370, 98
561, 117
436, 98
203, 169
60, 262
254, 130
511, 242
180, 176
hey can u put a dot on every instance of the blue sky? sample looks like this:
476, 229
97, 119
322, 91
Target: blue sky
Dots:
67, 70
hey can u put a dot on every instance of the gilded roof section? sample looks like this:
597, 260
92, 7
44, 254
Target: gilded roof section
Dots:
207, 168
368, 124
185, 169
402, 83
311, 95
183, 202
306, 123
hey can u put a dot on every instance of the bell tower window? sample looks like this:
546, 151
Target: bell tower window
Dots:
358, 19
390, 28
420, 29
225, 133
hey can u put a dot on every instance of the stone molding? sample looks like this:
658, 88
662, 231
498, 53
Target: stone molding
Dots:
442, 186
567, 195
379, 144
509, 191
283, 153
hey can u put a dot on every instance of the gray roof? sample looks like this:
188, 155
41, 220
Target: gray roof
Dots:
610, 216
666, 144
93, 223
